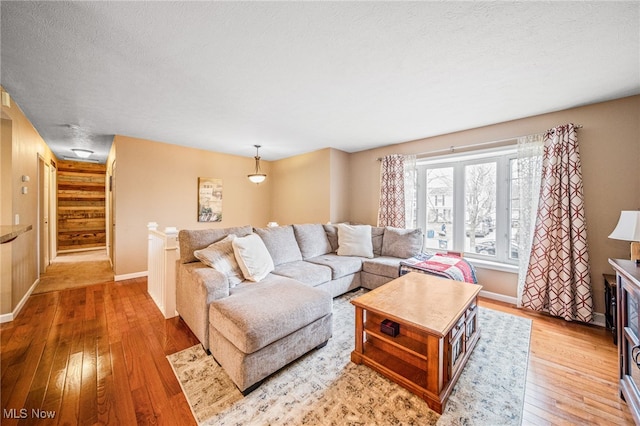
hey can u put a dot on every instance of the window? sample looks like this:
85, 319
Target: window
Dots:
469, 203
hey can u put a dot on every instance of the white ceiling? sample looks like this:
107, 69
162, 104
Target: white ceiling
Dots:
300, 76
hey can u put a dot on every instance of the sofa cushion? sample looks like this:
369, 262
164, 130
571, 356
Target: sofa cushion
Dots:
281, 243
341, 266
196, 239
385, 266
377, 233
220, 256
402, 243
246, 287
305, 272
354, 240
253, 257
312, 240
273, 311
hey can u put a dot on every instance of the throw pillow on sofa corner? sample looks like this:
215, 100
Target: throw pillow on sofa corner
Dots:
253, 257
402, 243
220, 256
354, 240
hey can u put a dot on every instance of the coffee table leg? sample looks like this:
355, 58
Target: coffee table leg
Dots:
356, 355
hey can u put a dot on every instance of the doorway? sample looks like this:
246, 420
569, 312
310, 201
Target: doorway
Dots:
43, 215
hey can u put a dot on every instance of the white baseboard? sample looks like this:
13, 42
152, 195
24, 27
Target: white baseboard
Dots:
598, 318
11, 316
130, 276
498, 297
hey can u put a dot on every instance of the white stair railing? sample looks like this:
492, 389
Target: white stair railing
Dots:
161, 263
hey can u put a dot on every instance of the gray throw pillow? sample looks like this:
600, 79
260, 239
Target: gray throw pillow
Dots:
220, 257
332, 236
312, 240
402, 243
281, 244
377, 233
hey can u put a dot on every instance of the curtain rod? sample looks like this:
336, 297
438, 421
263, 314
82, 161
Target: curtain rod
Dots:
453, 149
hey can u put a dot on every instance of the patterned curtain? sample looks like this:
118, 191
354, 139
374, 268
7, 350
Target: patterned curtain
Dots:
558, 279
392, 195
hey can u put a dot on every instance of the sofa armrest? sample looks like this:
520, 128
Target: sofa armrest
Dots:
197, 286
215, 283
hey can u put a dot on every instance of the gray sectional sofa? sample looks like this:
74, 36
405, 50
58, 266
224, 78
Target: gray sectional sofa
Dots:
255, 328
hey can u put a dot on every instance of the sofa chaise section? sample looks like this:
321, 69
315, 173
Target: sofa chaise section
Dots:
282, 319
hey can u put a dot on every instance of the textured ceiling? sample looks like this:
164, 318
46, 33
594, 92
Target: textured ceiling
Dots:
300, 76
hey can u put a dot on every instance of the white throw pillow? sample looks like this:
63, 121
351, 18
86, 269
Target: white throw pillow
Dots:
253, 257
354, 240
220, 256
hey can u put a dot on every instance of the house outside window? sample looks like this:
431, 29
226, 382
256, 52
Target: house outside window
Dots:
469, 203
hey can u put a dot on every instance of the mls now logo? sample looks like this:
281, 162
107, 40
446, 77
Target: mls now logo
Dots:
23, 413
14, 413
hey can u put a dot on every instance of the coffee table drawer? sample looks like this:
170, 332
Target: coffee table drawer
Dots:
456, 351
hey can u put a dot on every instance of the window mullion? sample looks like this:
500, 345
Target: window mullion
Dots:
458, 207
502, 209
421, 199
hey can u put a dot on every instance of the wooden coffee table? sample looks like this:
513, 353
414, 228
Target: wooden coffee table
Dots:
438, 330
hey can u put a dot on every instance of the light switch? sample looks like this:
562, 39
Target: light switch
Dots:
6, 99
17, 220
25, 189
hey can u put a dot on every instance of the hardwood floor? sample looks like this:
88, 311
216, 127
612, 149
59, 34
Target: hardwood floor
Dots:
96, 355
572, 377
93, 355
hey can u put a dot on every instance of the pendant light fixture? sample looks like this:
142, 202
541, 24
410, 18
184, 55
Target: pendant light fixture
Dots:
82, 153
257, 176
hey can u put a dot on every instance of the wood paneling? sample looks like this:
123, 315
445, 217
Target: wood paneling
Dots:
81, 205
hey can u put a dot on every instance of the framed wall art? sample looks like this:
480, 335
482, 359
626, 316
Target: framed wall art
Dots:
209, 200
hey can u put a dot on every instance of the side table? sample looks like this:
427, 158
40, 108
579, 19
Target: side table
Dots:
610, 288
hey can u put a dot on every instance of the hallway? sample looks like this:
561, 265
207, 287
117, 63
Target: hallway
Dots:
72, 270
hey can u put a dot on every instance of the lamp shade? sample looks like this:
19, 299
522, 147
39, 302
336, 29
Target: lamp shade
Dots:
257, 177
628, 227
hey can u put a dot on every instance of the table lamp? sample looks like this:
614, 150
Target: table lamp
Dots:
628, 229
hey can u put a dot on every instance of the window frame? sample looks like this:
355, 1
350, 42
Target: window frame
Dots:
503, 157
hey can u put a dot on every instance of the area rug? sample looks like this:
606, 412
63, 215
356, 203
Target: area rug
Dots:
72, 270
324, 387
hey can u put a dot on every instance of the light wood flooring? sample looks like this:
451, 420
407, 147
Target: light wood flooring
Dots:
96, 355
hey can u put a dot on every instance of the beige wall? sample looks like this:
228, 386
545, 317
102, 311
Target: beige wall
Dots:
301, 191
158, 182
340, 184
26, 145
6, 210
311, 188
610, 153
